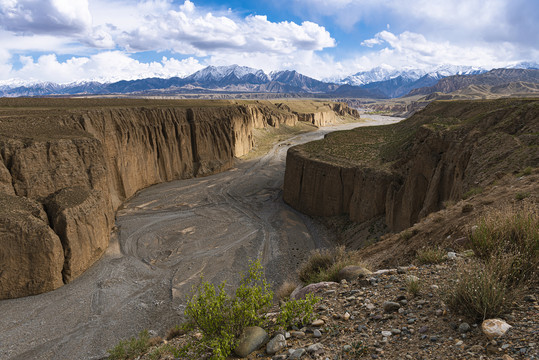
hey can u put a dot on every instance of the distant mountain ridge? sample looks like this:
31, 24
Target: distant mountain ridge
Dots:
494, 77
234, 79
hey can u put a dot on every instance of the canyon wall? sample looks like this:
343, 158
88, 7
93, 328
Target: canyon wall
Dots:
416, 165
64, 173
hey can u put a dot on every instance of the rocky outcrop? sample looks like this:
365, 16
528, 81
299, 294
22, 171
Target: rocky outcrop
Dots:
31, 253
77, 161
411, 168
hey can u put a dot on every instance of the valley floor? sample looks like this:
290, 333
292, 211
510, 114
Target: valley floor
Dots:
166, 237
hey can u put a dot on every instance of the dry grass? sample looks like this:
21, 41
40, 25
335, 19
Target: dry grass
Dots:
284, 291
430, 255
507, 245
325, 264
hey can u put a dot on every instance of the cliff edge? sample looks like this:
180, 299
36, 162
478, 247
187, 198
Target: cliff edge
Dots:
407, 170
66, 166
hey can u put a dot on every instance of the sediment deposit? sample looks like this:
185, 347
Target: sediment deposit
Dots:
68, 164
407, 170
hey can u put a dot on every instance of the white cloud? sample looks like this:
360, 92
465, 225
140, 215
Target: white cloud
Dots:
460, 21
60, 17
105, 66
189, 30
410, 49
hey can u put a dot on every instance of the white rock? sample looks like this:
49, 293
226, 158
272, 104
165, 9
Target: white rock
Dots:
451, 255
386, 333
494, 328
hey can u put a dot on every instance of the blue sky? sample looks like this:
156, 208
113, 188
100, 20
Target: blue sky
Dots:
107, 40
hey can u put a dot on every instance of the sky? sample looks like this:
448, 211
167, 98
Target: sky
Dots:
65, 41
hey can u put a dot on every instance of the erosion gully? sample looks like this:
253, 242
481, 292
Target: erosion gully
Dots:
167, 237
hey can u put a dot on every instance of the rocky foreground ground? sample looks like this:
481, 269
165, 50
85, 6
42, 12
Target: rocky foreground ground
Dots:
378, 318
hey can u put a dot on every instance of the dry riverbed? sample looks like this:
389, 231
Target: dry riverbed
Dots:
166, 237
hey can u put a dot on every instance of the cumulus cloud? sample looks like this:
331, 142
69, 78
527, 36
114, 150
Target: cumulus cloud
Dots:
410, 49
189, 30
461, 21
60, 17
104, 66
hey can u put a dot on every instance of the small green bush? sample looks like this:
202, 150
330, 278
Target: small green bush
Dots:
325, 264
430, 255
297, 312
130, 349
221, 318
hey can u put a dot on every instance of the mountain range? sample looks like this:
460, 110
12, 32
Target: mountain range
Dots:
378, 83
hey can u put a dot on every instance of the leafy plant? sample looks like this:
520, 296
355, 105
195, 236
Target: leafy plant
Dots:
297, 312
222, 318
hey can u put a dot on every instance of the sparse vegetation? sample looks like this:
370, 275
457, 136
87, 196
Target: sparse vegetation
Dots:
506, 243
479, 293
473, 191
525, 172
430, 255
297, 312
413, 285
130, 349
221, 318
521, 195
286, 289
325, 264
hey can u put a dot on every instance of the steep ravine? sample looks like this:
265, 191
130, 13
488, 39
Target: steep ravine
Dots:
67, 166
407, 170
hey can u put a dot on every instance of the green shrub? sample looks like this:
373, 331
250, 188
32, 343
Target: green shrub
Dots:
430, 255
221, 318
297, 312
325, 264
130, 349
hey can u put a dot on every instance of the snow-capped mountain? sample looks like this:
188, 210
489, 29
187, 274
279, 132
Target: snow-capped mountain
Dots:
241, 79
230, 73
386, 72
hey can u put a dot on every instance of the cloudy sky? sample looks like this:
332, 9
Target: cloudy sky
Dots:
106, 40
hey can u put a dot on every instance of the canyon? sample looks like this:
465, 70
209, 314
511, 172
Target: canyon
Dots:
405, 171
165, 237
66, 166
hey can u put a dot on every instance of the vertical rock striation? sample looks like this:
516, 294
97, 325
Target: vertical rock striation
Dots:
64, 172
407, 170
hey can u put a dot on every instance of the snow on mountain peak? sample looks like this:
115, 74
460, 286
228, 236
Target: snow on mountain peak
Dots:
216, 73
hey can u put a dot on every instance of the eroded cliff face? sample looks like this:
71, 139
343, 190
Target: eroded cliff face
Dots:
64, 173
444, 151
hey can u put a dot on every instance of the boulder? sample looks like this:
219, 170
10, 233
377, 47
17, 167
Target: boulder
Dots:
276, 344
353, 272
252, 339
301, 292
